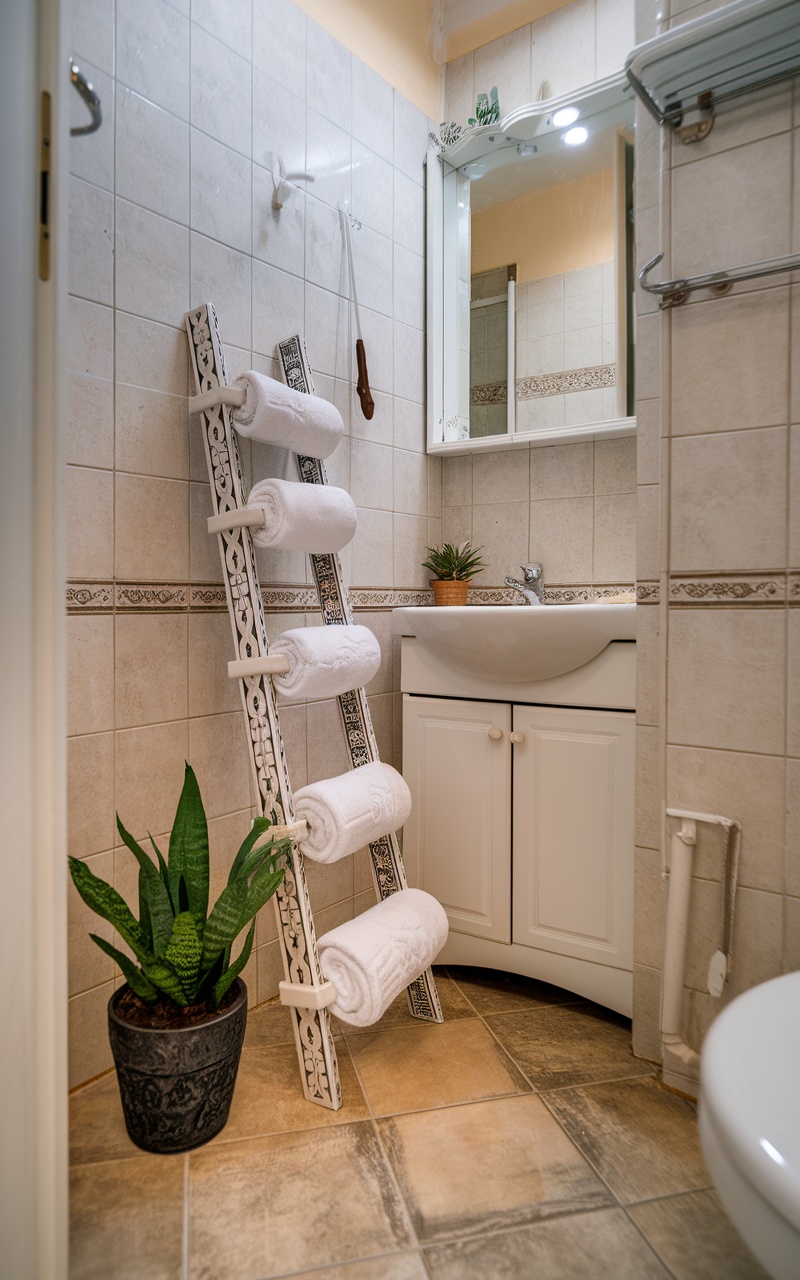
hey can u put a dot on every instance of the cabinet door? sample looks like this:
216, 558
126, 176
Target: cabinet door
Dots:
457, 842
573, 833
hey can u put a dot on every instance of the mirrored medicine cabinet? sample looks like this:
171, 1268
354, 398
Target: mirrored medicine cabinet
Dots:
530, 276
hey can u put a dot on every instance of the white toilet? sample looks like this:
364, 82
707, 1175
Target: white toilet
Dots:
750, 1119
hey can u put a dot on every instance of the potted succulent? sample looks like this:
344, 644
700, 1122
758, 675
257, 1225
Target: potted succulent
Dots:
176, 1026
453, 567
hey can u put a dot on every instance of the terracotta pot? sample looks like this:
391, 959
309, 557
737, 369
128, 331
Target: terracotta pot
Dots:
176, 1085
449, 591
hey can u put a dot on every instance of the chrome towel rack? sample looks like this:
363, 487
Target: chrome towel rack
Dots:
673, 292
87, 92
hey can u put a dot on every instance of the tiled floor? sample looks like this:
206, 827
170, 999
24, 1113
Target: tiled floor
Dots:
519, 1140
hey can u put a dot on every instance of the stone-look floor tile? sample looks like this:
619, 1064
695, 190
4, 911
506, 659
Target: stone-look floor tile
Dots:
269, 1024
694, 1236
269, 1095
126, 1219
432, 1066
641, 1138
467, 1170
399, 1266
491, 991
454, 1008
290, 1202
96, 1125
568, 1045
600, 1246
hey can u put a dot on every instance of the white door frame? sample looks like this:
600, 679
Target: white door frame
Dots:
33, 1077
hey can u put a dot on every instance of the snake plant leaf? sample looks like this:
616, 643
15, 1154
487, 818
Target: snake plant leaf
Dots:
154, 899
133, 974
159, 973
262, 887
162, 866
260, 825
184, 952
223, 924
106, 902
188, 852
256, 858
234, 970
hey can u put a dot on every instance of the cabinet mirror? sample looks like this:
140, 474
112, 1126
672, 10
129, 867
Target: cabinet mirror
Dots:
530, 276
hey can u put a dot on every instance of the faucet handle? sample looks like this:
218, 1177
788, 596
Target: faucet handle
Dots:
531, 572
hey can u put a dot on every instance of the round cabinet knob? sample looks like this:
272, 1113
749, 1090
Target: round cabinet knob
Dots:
495, 734
516, 736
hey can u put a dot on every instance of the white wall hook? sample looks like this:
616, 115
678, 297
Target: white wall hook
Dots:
283, 182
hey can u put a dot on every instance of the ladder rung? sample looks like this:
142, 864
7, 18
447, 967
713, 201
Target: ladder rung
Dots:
251, 517
292, 832
233, 396
304, 996
241, 668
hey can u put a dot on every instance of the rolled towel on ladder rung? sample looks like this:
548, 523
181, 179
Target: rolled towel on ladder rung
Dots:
345, 813
323, 662
303, 517
371, 959
276, 414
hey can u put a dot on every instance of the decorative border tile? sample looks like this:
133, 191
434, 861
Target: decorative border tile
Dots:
793, 588
489, 393
154, 596
560, 384
739, 589
648, 593
88, 597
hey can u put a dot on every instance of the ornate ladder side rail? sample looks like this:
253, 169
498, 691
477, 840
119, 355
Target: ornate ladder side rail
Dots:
388, 871
312, 1028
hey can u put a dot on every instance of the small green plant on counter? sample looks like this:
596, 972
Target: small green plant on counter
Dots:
458, 563
183, 951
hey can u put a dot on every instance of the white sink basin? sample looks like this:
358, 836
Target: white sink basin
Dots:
518, 643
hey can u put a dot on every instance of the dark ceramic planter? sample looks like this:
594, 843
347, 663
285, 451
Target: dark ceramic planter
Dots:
176, 1086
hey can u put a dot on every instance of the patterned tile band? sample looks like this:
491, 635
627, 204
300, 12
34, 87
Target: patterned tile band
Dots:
594, 378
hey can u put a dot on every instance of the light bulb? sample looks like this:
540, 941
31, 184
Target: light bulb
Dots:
576, 137
567, 115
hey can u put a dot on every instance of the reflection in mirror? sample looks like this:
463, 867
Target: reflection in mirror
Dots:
536, 285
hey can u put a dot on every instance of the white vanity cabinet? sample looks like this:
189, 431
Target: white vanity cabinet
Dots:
522, 824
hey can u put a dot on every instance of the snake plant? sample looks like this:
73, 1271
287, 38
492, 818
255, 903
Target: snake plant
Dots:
184, 952
450, 562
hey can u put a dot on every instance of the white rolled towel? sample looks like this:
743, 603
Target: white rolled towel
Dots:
277, 414
325, 661
303, 517
345, 813
371, 959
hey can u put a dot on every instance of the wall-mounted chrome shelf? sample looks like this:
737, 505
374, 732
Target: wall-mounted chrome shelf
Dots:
714, 59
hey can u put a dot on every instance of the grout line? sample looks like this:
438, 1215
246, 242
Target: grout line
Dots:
186, 1218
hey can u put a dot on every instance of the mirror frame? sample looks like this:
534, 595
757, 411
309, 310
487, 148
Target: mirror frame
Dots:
524, 123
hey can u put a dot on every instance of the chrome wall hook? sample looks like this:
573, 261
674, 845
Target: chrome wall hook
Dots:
89, 96
671, 293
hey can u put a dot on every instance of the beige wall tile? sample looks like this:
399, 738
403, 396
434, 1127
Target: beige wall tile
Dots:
382, 711
615, 465
91, 339
615, 538
705, 931
646, 1013
410, 549
90, 794
650, 897
747, 228
147, 354
225, 835
648, 661
327, 751
505, 62
728, 501
88, 965
434, 487
371, 472
152, 433
758, 932
649, 797
457, 481
715, 655
648, 441
90, 433
410, 482
151, 528
747, 788
89, 1050
648, 356
150, 669
381, 626
648, 532
763, 113
329, 884
791, 956
456, 525
794, 498
500, 477
149, 776
293, 722
373, 550
90, 674
793, 683
561, 537
210, 648
269, 960
220, 756
729, 362
561, 471
502, 530
90, 523
793, 827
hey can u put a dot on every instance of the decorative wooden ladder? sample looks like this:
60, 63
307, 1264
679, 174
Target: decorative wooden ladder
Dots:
312, 1026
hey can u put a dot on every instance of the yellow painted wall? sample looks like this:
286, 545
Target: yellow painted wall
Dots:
391, 36
559, 229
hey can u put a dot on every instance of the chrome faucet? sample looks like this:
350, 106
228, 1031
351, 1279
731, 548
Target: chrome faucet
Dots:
532, 583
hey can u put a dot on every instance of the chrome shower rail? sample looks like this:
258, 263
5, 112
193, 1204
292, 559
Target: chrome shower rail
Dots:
673, 292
